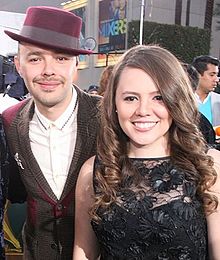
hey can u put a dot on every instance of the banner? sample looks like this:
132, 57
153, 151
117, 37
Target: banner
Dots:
112, 27
79, 8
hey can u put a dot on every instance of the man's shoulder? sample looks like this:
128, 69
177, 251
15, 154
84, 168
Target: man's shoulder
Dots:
92, 98
10, 113
215, 94
89, 101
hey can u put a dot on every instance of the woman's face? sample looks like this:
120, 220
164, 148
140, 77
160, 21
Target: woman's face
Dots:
142, 114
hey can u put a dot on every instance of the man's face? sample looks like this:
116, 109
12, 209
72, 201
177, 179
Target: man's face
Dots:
208, 81
48, 75
94, 92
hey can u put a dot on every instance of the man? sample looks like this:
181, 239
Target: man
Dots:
208, 101
52, 133
204, 124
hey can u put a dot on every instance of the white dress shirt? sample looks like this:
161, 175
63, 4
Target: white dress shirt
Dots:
199, 100
53, 144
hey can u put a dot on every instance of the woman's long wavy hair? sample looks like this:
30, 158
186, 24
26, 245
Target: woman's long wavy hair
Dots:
187, 147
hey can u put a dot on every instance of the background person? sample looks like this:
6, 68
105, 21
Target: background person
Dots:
208, 101
93, 90
204, 124
152, 190
51, 133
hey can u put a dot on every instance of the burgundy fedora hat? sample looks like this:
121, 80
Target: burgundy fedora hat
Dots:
51, 28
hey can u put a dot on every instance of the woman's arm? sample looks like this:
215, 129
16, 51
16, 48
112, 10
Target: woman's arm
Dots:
85, 245
213, 220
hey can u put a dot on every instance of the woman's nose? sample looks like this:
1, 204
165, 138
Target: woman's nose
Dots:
144, 108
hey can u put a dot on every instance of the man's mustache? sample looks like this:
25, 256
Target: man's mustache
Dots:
48, 79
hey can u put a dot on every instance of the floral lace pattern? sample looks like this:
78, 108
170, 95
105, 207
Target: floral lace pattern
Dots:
165, 222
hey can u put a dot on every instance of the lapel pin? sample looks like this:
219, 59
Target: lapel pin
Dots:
18, 161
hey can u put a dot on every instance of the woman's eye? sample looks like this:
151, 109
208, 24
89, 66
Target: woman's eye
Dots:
158, 97
130, 98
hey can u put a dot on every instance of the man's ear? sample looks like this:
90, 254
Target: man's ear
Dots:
75, 72
200, 75
17, 65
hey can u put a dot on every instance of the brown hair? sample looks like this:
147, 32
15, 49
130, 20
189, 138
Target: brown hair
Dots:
104, 79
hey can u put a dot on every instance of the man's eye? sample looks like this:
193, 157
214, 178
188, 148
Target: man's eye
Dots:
34, 59
62, 58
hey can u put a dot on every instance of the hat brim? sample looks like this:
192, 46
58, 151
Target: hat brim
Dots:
20, 38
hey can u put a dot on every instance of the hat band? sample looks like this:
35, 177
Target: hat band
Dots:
44, 36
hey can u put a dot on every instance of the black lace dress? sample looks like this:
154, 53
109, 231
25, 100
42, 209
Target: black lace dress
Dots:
166, 222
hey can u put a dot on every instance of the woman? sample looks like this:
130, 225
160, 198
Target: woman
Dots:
153, 188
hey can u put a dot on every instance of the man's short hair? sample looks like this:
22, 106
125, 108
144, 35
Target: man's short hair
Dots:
200, 62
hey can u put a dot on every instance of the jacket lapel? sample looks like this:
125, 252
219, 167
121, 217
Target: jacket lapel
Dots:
86, 136
23, 149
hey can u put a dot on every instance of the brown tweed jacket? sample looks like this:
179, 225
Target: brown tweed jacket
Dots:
49, 227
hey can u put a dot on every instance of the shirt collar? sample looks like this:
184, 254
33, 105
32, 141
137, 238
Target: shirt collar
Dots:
63, 120
205, 100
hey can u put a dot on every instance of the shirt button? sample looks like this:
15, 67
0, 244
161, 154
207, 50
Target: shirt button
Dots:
59, 206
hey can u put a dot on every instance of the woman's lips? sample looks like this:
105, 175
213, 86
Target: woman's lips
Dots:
144, 126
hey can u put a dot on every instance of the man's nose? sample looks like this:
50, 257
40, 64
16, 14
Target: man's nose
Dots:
48, 68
